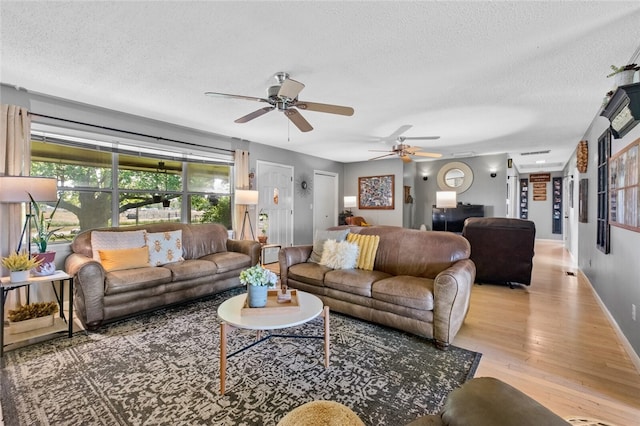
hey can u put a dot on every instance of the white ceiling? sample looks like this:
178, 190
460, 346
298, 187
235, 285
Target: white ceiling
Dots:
488, 77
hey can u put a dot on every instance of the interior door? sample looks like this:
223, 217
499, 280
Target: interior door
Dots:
275, 189
325, 200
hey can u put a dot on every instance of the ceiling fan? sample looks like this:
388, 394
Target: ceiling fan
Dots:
284, 97
403, 150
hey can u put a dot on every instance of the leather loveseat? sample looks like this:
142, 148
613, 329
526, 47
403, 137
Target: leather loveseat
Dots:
420, 283
501, 248
212, 263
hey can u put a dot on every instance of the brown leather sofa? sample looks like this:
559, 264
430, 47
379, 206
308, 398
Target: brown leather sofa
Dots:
420, 283
212, 264
501, 248
486, 401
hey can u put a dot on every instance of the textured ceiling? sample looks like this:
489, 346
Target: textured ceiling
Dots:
488, 77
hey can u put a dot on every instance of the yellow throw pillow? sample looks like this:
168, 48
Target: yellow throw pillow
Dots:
368, 248
115, 260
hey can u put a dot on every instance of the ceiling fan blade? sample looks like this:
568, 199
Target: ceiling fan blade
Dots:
290, 89
406, 158
331, 109
382, 156
412, 149
246, 98
427, 154
297, 119
393, 136
380, 150
419, 138
255, 114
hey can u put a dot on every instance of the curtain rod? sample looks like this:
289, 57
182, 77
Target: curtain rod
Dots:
35, 114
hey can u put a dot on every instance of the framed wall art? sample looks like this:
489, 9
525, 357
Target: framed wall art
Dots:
376, 192
624, 188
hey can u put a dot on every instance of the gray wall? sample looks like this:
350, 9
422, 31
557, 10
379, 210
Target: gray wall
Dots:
485, 190
352, 171
614, 276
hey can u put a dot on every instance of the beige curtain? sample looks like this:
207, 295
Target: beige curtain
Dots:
242, 170
15, 160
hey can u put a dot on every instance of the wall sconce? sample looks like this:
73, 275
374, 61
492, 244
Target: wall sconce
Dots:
425, 177
493, 174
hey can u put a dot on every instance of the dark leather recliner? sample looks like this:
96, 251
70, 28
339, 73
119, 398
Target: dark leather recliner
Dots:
502, 249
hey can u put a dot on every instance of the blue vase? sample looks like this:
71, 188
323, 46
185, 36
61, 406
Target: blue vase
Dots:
257, 296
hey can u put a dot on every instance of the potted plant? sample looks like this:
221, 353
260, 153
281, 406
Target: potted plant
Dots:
623, 75
258, 280
19, 266
263, 224
42, 237
32, 316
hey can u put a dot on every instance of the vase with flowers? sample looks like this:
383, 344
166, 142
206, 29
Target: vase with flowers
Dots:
258, 280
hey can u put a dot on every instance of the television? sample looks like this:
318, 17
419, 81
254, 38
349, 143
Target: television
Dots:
452, 219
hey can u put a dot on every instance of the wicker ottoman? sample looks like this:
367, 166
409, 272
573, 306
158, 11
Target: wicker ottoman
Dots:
321, 413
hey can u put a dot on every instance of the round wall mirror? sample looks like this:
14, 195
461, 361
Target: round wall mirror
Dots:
455, 176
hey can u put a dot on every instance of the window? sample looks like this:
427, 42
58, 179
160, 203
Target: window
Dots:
603, 228
103, 186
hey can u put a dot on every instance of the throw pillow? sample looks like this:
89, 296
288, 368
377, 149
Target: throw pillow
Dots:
164, 247
339, 255
115, 260
368, 248
320, 238
115, 240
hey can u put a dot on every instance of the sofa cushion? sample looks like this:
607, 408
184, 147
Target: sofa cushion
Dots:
164, 247
405, 290
356, 281
115, 240
339, 255
310, 273
322, 236
192, 268
368, 245
115, 260
228, 261
135, 279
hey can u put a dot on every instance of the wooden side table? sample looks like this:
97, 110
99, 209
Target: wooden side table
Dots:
61, 323
265, 247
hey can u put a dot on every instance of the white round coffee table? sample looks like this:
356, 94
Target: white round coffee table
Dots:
230, 315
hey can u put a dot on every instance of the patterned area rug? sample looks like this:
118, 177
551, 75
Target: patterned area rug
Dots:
163, 368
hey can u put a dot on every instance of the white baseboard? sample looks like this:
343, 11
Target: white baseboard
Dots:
635, 359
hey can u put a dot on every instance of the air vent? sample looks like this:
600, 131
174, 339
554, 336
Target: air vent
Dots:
536, 152
539, 166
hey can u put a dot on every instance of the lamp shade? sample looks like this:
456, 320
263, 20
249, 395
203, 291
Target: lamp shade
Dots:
246, 197
349, 201
16, 189
446, 199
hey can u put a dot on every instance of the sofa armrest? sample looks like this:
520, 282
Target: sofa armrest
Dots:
89, 276
249, 247
451, 293
289, 256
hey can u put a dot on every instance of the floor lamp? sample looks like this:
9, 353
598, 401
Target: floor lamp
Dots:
445, 200
246, 198
16, 189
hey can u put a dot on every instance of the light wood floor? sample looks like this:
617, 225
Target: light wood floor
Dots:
553, 341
